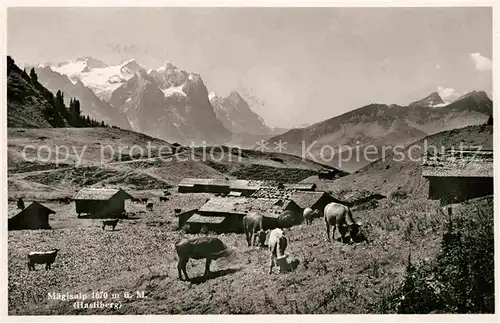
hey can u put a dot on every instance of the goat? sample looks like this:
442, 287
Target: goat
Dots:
111, 223
41, 258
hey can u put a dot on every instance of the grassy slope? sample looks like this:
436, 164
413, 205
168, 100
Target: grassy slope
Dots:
385, 176
140, 256
125, 168
25, 101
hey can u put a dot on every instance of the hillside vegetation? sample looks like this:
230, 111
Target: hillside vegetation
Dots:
31, 105
63, 160
139, 256
393, 173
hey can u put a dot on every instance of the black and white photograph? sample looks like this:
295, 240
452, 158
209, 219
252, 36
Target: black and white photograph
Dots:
256, 160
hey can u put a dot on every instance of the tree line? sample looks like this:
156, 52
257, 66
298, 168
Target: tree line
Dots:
56, 112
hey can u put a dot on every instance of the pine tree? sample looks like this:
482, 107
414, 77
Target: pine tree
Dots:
33, 75
490, 121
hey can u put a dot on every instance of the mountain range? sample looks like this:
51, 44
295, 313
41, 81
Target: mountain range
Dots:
337, 140
167, 102
175, 105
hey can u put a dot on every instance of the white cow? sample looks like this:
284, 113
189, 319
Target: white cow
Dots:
309, 214
277, 245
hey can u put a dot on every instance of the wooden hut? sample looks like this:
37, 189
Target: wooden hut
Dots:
101, 202
274, 193
245, 187
183, 216
233, 209
313, 200
204, 185
35, 216
458, 175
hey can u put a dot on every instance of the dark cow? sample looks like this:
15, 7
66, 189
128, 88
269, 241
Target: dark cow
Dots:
288, 219
41, 258
255, 225
167, 193
20, 203
111, 223
64, 200
136, 200
144, 200
340, 216
209, 248
163, 199
149, 206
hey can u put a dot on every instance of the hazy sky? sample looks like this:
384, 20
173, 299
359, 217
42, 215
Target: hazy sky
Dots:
304, 64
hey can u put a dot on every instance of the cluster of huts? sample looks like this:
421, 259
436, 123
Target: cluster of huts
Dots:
454, 176
233, 199
92, 202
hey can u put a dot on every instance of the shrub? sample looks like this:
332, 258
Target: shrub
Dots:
398, 194
460, 280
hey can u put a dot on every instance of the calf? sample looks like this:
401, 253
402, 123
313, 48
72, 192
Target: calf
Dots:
277, 246
20, 203
149, 206
255, 226
111, 223
41, 258
309, 214
64, 200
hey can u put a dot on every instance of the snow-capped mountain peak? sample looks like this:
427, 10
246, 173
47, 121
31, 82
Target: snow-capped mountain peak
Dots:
211, 95
97, 75
433, 100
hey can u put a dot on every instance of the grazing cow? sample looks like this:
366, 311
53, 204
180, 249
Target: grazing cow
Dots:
256, 225
338, 215
149, 206
209, 248
41, 258
111, 223
144, 200
163, 199
309, 214
277, 246
288, 219
20, 203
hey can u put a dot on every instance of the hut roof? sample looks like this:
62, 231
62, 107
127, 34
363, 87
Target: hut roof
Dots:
203, 181
102, 194
197, 218
307, 199
301, 186
239, 205
245, 184
459, 163
31, 208
273, 193
233, 193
